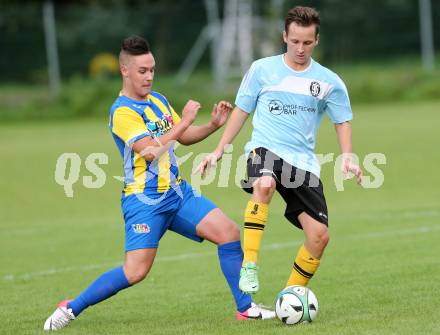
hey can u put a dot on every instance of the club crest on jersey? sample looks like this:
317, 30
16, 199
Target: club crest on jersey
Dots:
315, 88
141, 228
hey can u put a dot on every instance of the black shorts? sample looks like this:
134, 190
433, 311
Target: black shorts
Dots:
301, 190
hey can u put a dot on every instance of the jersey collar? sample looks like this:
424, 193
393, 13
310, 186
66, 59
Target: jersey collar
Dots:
294, 71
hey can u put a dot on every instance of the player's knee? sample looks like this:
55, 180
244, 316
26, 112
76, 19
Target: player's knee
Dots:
264, 188
234, 232
322, 238
318, 239
230, 233
136, 274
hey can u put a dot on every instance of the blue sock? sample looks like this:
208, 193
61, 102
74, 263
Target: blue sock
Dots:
231, 256
107, 285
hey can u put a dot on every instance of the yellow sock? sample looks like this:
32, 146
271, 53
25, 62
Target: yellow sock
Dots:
304, 268
255, 217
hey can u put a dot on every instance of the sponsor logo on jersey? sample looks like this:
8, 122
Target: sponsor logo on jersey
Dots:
276, 107
315, 88
161, 126
141, 228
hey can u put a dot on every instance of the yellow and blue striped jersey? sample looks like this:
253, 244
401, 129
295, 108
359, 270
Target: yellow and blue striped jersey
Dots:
131, 120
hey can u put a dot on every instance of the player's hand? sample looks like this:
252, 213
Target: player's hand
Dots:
220, 113
190, 110
208, 162
349, 167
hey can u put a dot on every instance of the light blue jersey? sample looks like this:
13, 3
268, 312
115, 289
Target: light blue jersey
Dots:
289, 106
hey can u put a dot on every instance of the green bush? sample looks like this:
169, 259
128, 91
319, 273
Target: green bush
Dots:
81, 97
390, 82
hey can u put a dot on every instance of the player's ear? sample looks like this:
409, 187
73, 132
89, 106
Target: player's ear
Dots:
124, 70
317, 40
284, 36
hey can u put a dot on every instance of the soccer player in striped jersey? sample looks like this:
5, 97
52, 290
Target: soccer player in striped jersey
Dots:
288, 94
155, 198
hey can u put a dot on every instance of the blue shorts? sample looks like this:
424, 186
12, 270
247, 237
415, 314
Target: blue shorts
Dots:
147, 219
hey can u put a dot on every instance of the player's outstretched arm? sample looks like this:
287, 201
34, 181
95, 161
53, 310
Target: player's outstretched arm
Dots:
344, 133
233, 127
152, 147
219, 114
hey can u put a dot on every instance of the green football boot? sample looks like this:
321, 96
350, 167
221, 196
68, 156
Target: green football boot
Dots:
249, 278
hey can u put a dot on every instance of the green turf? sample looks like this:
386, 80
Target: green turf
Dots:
380, 274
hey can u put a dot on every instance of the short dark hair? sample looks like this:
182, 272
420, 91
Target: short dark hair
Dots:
135, 45
302, 16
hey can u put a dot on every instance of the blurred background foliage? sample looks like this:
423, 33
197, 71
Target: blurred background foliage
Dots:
374, 45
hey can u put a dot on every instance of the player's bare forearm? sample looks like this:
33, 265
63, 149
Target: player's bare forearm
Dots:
343, 131
219, 114
233, 127
195, 134
151, 148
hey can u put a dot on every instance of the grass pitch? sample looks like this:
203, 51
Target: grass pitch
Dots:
380, 273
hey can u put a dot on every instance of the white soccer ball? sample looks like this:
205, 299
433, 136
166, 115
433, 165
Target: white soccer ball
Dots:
296, 304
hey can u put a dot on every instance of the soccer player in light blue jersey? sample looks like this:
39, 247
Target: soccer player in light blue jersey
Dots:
288, 95
155, 198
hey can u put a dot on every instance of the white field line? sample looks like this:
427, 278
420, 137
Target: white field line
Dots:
191, 256
366, 216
